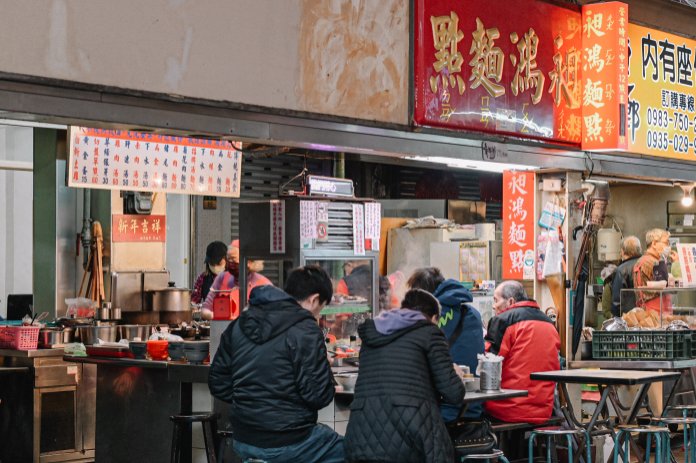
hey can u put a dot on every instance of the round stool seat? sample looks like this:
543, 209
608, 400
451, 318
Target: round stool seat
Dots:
485, 456
254, 460
224, 433
677, 420
643, 429
195, 417
557, 431
683, 407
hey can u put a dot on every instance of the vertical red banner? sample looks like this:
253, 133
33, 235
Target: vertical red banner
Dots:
604, 76
518, 225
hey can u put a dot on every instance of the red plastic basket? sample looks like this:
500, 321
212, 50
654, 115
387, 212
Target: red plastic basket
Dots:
19, 337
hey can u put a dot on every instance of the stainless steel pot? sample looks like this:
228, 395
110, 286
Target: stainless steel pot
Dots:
169, 299
131, 332
49, 337
90, 334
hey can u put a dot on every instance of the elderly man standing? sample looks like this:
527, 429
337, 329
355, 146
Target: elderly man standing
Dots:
658, 251
623, 279
528, 340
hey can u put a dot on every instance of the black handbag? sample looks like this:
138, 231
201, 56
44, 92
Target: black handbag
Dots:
469, 436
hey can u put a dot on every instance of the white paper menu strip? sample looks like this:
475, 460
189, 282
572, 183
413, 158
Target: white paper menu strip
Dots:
277, 227
358, 230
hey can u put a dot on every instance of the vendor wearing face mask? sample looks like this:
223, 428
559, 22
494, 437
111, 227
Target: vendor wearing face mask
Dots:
652, 266
229, 280
214, 265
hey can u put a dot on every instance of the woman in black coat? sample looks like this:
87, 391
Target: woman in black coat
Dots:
405, 372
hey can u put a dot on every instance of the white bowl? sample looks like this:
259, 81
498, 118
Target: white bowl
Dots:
660, 284
347, 381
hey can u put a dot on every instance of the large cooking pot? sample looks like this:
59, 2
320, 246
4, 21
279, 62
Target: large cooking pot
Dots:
49, 337
89, 334
169, 299
131, 332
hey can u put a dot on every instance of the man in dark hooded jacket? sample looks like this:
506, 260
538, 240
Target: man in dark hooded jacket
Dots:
272, 368
465, 335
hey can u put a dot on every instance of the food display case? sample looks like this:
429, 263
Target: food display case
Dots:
331, 233
661, 306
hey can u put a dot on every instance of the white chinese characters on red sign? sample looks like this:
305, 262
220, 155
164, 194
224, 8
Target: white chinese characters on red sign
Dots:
518, 225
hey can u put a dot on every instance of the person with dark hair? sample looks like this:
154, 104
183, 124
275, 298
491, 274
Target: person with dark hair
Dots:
228, 282
214, 265
527, 339
405, 372
272, 368
461, 324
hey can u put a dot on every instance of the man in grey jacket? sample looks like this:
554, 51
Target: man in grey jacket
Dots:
623, 278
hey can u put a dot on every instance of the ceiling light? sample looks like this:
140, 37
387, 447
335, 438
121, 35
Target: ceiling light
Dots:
687, 200
459, 163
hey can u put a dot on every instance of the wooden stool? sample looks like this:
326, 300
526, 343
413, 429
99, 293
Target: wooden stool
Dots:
181, 422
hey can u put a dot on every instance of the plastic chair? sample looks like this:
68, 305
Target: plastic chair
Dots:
661, 434
181, 422
551, 433
689, 434
494, 454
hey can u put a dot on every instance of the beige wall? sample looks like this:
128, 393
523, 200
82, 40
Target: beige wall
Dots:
638, 208
341, 57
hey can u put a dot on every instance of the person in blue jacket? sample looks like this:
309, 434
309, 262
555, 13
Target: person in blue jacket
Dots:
454, 298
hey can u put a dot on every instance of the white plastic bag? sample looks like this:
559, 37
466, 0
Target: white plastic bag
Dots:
553, 257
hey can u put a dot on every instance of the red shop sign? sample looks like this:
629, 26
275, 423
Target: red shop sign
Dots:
138, 228
518, 225
512, 68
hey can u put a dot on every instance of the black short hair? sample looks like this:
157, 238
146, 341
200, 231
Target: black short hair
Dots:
423, 301
427, 279
302, 282
215, 252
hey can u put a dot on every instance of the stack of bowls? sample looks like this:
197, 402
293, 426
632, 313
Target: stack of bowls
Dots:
176, 350
196, 351
138, 349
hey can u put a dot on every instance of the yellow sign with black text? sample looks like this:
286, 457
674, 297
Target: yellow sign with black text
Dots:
661, 92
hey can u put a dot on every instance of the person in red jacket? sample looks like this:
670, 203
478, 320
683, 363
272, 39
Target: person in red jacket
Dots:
529, 342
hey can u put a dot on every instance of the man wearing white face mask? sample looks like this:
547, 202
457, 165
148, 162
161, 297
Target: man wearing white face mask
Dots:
214, 265
652, 266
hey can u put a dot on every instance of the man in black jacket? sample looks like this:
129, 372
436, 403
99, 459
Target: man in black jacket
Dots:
623, 277
272, 368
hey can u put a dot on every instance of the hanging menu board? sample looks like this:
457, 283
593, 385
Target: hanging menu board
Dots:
135, 161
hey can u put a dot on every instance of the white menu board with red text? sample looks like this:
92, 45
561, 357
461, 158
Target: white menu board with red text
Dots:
136, 161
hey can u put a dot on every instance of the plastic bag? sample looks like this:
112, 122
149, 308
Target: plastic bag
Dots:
553, 257
552, 216
76, 349
615, 324
162, 336
80, 307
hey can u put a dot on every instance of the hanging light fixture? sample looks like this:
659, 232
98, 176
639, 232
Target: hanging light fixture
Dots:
687, 200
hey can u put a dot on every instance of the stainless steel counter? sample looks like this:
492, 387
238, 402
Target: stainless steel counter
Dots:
634, 364
36, 353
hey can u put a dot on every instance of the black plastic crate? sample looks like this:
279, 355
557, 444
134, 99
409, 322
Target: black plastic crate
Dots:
641, 345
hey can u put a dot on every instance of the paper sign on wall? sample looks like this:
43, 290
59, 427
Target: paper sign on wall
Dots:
308, 220
322, 221
135, 161
373, 224
358, 230
277, 227
687, 264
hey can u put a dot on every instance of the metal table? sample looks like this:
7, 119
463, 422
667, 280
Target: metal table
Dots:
159, 389
607, 381
686, 382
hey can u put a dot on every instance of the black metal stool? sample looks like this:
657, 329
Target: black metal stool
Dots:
182, 422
